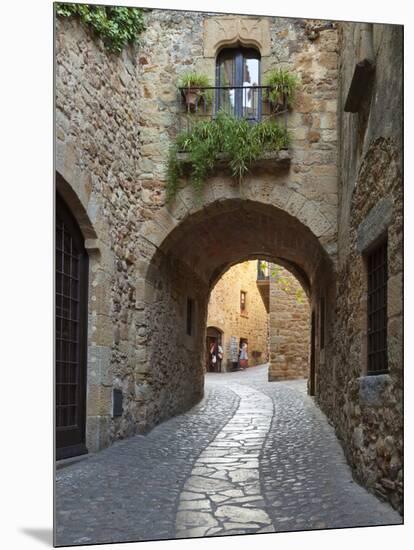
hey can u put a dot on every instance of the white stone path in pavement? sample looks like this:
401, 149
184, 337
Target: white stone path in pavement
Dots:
223, 493
252, 456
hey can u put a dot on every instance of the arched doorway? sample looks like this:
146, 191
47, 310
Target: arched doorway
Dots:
71, 289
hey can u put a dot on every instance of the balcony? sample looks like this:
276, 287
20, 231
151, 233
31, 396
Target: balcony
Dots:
201, 104
248, 102
263, 282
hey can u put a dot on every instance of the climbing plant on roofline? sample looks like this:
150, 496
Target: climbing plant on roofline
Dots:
116, 26
241, 142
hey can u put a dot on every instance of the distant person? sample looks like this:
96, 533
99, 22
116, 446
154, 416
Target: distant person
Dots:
219, 357
243, 358
213, 357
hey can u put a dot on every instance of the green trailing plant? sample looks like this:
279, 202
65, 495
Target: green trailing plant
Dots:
195, 82
116, 26
283, 87
241, 142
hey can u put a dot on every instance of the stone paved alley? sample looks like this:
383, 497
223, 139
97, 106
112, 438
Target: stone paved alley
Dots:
252, 457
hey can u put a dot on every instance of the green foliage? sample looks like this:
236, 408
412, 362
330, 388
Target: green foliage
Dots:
283, 282
242, 143
116, 26
194, 80
283, 87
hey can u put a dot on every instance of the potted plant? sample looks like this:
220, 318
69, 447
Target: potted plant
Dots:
193, 86
282, 86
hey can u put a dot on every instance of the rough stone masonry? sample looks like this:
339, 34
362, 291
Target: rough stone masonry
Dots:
116, 117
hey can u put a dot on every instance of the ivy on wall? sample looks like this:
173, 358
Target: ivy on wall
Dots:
116, 26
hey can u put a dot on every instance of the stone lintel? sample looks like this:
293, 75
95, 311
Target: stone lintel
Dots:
375, 224
233, 30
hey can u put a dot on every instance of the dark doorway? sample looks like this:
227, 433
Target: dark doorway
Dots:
213, 341
71, 265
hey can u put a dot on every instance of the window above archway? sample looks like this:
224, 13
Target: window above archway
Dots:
238, 81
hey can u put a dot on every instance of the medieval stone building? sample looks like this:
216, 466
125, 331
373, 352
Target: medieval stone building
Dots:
237, 314
249, 305
135, 272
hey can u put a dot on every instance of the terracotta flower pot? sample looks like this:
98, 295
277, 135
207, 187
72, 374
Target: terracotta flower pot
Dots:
279, 104
191, 97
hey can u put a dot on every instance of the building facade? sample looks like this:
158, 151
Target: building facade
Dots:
267, 310
328, 209
237, 310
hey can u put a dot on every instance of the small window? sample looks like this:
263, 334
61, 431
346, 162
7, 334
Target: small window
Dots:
243, 296
322, 322
377, 309
190, 313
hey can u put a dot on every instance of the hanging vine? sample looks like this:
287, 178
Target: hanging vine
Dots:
242, 142
116, 26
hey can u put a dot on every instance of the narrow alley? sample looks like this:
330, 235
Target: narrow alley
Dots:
253, 456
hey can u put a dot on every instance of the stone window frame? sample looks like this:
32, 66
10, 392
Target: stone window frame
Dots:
369, 233
380, 242
236, 31
365, 253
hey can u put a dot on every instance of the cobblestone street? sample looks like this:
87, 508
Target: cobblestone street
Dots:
253, 456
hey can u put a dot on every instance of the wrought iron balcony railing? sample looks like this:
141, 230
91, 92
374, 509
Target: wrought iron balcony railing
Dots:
249, 102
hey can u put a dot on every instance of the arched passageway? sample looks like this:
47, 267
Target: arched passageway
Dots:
263, 306
184, 269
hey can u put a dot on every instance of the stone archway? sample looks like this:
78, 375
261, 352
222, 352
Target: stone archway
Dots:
180, 271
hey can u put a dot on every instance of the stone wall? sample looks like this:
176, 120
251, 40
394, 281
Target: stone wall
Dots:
367, 410
289, 330
305, 188
97, 153
176, 42
224, 313
115, 119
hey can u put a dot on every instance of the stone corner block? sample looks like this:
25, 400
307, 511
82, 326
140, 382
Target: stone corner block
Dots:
371, 389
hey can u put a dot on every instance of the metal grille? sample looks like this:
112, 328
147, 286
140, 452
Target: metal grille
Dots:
117, 402
68, 260
377, 310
